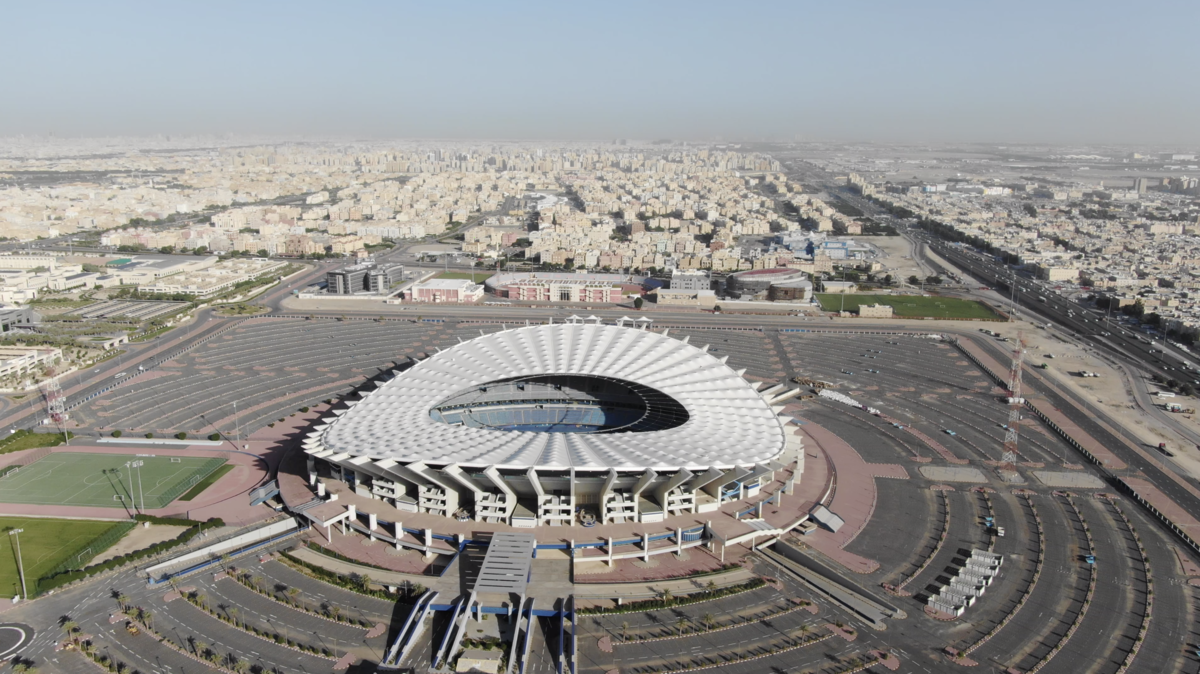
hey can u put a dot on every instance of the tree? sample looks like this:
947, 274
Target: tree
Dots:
933, 279
914, 280
637, 303
667, 596
625, 631
680, 623
710, 586
708, 621
262, 252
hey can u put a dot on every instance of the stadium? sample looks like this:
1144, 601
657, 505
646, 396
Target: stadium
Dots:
559, 425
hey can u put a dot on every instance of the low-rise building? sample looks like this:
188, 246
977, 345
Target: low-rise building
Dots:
21, 359
840, 287
874, 311
701, 299
444, 290
797, 290
691, 279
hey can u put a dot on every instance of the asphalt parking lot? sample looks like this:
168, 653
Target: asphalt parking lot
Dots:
272, 366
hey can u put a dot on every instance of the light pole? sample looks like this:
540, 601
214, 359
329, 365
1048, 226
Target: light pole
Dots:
843, 290
20, 566
129, 467
141, 492
237, 426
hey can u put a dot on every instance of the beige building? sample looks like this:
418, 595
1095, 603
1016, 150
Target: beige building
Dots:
21, 359
840, 287
1057, 273
703, 299
874, 311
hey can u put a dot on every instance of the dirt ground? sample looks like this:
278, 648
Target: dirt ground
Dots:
139, 537
899, 261
1112, 390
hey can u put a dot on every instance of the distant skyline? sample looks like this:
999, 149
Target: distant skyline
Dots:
1019, 72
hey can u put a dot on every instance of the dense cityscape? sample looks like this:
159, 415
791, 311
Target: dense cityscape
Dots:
537, 338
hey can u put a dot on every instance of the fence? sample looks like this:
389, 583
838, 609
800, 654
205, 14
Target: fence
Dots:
207, 468
104, 542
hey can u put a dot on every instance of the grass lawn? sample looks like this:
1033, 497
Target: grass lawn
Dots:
911, 306
206, 482
78, 479
24, 439
46, 543
479, 276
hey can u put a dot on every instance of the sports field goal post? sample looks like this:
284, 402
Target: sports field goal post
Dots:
176, 459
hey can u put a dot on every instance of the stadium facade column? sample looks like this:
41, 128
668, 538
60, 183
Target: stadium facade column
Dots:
399, 533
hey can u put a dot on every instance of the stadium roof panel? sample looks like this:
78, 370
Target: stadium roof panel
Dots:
728, 422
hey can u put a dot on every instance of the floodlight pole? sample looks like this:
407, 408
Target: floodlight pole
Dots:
20, 566
141, 492
129, 465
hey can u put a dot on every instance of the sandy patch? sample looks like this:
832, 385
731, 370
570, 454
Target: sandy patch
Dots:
138, 538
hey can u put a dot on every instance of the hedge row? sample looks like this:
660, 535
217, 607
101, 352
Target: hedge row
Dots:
171, 521
58, 580
656, 604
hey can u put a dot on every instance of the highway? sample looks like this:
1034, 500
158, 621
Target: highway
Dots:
1131, 351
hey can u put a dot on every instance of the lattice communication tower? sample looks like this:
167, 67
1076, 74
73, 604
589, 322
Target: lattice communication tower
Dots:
1015, 401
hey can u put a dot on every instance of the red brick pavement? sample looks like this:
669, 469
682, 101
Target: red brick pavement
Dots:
853, 498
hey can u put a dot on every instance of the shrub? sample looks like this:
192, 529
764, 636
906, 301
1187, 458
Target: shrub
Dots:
116, 434
149, 435
214, 437
304, 409
181, 435
58, 580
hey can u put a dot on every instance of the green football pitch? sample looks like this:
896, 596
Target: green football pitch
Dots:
77, 479
48, 544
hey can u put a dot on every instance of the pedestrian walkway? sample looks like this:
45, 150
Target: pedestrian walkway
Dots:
854, 498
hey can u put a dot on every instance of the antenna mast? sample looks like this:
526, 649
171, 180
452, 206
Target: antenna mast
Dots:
55, 404
1015, 401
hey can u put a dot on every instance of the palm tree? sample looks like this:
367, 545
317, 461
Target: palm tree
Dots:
69, 626
708, 621
625, 631
667, 596
680, 623
257, 580
711, 586
292, 593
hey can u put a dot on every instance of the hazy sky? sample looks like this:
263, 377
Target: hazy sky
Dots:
1098, 71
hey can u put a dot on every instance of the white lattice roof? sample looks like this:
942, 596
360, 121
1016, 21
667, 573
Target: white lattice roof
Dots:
729, 421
